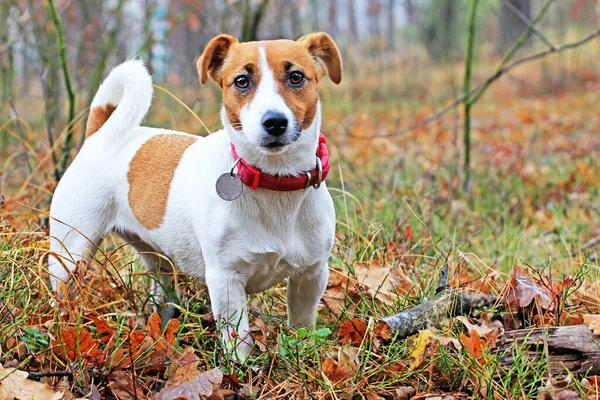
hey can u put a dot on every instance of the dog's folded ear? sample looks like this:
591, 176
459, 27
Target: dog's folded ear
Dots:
326, 54
213, 57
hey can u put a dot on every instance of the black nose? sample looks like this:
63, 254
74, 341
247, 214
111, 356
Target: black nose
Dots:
275, 123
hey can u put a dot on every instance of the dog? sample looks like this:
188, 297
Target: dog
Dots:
241, 209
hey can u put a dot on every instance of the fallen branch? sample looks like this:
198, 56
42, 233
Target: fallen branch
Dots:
566, 348
446, 304
44, 374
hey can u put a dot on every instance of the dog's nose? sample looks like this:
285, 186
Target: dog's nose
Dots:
275, 123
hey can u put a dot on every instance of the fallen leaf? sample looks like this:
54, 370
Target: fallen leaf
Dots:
15, 385
488, 328
123, 387
204, 385
352, 331
405, 392
523, 290
73, 342
338, 371
383, 332
474, 345
418, 352
103, 330
184, 368
593, 322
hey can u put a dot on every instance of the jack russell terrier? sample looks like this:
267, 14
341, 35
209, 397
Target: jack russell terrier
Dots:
241, 209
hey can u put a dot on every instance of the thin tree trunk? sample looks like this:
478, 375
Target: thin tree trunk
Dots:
411, 13
391, 24
295, 19
511, 26
62, 52
333, 18
467, 91
314, 11
352, 27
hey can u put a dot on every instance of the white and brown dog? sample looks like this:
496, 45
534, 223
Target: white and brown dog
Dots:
176, 194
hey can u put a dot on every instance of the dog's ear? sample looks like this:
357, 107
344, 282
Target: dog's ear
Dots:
213, 57
325, 53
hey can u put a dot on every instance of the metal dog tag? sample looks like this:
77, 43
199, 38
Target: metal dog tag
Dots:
229, 186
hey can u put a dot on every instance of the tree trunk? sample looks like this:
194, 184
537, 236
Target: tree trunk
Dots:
511, 26
333, 18
314, 11
295, 19
352, 27
411, 12
391, 24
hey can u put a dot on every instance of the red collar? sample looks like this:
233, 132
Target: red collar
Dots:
254, 178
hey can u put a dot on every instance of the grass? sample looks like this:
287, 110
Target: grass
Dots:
399, 205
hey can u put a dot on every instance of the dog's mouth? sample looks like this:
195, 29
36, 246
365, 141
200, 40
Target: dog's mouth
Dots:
275, 147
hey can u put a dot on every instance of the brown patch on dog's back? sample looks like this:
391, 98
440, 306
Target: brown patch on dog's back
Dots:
98, 116
151, 172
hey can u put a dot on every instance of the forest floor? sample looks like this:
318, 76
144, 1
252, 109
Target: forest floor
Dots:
528, 233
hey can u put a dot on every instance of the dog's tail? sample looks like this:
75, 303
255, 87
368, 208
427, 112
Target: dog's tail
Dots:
122, 100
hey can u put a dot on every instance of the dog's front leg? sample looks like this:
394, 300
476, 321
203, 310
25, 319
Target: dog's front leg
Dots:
304, 291
228, 301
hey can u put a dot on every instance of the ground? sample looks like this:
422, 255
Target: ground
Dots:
526, 232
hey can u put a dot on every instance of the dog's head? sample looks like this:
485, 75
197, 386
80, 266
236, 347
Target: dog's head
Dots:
270, 93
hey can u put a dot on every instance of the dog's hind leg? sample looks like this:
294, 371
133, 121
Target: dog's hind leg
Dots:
79, 220
304, 291
71, 244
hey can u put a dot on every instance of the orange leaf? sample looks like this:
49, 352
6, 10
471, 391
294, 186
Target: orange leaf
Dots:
184, 368
77, 341
338, 371
474, 345
103, 330
352, 331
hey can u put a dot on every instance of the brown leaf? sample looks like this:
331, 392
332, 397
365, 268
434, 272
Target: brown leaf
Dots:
338, 371
405, 392
593, 322
383, 332
523, 290
123, 387
184, 368
75, 341
204, 385
488, 328
474, 345
15, 385
103, 330
352, 331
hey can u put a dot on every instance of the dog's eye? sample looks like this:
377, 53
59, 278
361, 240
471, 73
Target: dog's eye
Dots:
241, 81
296, 78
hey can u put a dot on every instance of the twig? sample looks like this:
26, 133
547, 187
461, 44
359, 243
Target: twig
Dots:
43, 374
445, 110
62, 51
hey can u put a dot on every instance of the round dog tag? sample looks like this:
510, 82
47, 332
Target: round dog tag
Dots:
229, 186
